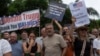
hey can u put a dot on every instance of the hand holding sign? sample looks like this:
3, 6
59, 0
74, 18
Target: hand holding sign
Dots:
73, 19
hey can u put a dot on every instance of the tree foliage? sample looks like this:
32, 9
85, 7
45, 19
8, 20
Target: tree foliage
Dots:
19, 6
4, 7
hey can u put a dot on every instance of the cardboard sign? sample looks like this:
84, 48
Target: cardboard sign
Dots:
56, 11
79, 11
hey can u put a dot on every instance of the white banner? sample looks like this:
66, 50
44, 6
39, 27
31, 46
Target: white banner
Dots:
79, 11
24, 20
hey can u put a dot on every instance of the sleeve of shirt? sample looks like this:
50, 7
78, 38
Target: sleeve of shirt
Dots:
94, 43
62, 42
98, 45
6, 47
37, 39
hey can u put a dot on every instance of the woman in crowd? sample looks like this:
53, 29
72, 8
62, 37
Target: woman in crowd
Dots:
69, 48
31, 48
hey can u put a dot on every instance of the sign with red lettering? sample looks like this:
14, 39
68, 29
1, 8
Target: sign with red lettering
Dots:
24, 20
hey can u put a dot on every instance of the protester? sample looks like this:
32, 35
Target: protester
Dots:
6, 35
68, 38
5, 48
69, 48
54, 44
82, 44
97, 45
65, 29
16, 45
24, 36
31, 48
39, 40
95, 33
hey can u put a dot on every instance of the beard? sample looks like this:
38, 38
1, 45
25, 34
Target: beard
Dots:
50, 33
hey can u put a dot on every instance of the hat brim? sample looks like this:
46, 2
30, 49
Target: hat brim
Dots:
83, 27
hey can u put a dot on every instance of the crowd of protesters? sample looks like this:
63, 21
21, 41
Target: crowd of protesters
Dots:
68, 41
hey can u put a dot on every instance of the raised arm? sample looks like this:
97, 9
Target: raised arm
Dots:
59, 26
72, 28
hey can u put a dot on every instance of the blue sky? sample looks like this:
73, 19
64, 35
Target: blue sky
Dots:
89, 3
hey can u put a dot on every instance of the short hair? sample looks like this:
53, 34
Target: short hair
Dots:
5, 32
32, 31
23, 31
48, 24
14, 33
43, 28
94, 30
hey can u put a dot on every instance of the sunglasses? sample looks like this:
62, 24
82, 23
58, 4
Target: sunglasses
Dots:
83, 29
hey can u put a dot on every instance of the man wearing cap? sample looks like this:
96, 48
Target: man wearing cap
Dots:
82, 40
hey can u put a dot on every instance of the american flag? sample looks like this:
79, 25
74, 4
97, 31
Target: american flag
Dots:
77, 5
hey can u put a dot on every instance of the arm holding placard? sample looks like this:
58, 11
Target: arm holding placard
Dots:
72, 28
59, 26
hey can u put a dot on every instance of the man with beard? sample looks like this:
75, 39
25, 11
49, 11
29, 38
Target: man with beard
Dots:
16, 45
54, 44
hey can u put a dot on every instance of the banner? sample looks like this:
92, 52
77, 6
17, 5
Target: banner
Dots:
24, 20
79, 11
56, 11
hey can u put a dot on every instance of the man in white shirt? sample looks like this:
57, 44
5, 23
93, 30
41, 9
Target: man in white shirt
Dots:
39, 40
96, 45
5, 48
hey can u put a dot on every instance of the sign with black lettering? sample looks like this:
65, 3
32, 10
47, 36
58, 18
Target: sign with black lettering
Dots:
79, 11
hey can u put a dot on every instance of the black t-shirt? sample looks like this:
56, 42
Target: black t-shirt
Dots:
34, 48
78, 44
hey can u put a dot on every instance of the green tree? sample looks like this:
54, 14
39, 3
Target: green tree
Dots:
4, 7
92, 11
16, 7
35, 4
59, 1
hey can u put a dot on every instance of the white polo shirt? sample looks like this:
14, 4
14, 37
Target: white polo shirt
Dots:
39, 40
96, 44
4, 47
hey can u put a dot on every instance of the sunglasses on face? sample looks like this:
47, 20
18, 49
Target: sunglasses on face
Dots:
83, 29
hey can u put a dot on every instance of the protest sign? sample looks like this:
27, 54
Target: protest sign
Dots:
55, 11
79, 11
24, 20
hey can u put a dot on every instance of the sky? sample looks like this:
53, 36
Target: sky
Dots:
89, 3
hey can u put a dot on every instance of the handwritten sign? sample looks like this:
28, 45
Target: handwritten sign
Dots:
79, 11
